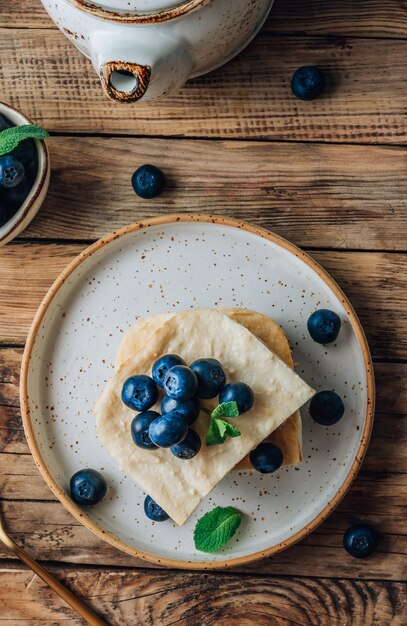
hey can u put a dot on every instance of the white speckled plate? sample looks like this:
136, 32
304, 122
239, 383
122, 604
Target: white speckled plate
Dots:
171, 264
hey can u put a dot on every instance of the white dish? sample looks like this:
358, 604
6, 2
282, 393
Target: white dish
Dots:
170, 264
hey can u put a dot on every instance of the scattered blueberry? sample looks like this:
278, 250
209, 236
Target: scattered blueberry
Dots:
139, 429
189, 447
308, 82
240, 393
360, 540
148, 181
324, 326
189, 409
211, 377
266, 458
87, 487
139, 393
168, 430
326, 408
162, 365
153, 511
11, 171
180, 383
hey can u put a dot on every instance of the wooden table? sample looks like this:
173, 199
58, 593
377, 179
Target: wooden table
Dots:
329, 175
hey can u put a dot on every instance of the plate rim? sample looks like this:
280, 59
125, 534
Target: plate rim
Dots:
78, 513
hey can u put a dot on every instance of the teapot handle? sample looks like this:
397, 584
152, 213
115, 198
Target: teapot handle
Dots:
124, 82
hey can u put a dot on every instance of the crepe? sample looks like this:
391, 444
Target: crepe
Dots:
178, 486
288, 437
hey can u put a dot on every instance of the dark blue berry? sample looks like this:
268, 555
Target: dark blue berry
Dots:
148, 181
4, 123
181, 383
168, 430
11, 171
324, 326
153, 511
240, 393
360, 540
189, 447
139, 429
326, 408
139, 393
211, 377
266, 458
25, 152
162, 365
308, 82
16, 196
87, 486
189, 409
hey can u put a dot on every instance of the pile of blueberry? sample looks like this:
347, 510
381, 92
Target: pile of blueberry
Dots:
17, 174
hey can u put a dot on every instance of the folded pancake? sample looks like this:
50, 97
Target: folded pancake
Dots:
178, 486
288, 437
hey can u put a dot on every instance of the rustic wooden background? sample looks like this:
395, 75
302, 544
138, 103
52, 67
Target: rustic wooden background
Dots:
331, 176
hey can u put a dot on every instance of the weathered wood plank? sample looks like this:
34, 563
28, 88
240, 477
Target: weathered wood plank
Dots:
378, 18
307, 192
365, 101
147, 598
375, 283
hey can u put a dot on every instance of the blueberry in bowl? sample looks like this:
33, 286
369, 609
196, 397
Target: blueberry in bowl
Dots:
24, 172
189, 409
87, 487
211, 377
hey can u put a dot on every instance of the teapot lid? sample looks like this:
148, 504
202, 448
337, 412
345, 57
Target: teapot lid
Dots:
138, 10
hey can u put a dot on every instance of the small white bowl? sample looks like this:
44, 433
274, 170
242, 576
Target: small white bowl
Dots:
24, 215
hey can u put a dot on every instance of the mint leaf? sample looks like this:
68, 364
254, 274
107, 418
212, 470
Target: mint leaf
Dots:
216, 528
11, 137
226, 409
227, 430
213, 435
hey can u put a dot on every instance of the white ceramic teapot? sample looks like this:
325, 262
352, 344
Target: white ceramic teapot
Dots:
150, 48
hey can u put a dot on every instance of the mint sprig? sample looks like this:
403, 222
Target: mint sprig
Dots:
11, 137
219, 429
216, 528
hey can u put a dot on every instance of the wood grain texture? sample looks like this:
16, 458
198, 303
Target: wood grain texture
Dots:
376, 284
365, 100
369, 18
300, 191
149, 598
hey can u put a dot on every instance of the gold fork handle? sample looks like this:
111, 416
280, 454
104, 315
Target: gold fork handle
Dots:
74, 602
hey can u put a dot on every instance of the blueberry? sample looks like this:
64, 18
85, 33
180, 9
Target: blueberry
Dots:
168, 430
11, 171
4, 123
211, 377
87, 486
326, 408
163, 364
360, 540
25, 152
16, 196
324, 326
266, 458
181, 383
148, 181
154, 511
139, 392
139, 429
308, 82
240, 393
189, 447
189, 409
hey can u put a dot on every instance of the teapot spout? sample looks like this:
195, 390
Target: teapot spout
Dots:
123, 81
131, 68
